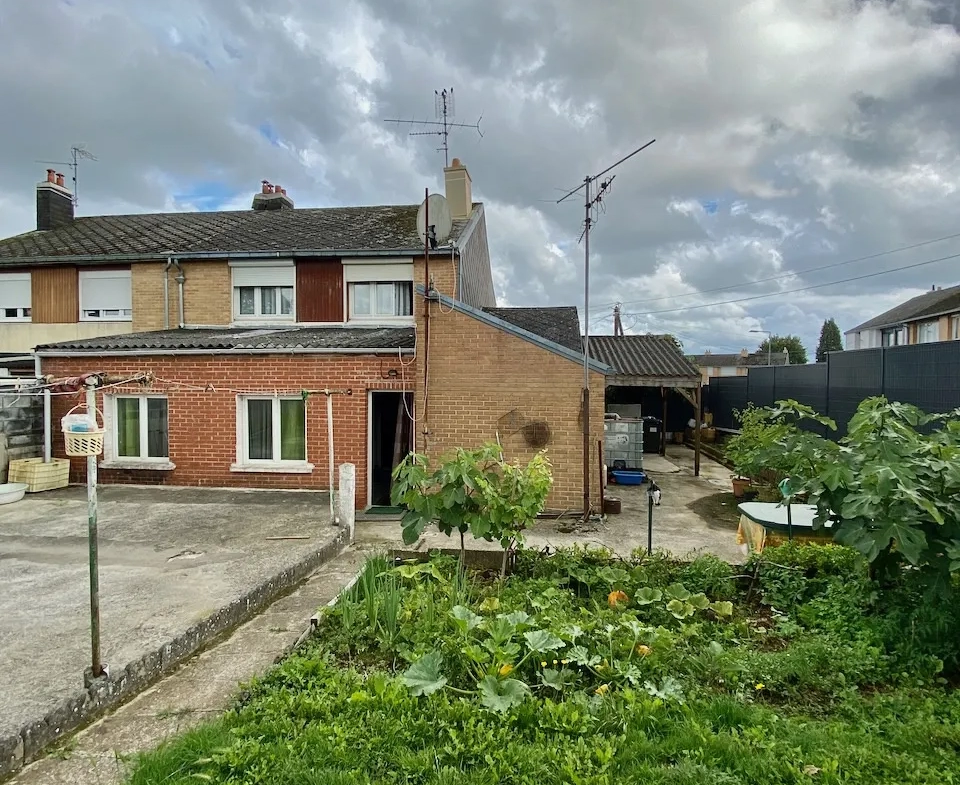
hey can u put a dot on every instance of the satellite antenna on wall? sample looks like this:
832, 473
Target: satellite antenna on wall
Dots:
77, 152
435, 210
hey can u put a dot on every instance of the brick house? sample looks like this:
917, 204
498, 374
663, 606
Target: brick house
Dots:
713, 365
241, 320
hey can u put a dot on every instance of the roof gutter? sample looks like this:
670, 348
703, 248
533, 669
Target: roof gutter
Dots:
312, 253
40, 352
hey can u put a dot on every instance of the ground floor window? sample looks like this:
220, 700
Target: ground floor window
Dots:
273, 430
140, 427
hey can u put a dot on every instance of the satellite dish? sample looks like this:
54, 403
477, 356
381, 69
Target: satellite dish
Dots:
440, 222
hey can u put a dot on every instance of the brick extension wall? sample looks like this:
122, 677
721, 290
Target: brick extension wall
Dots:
477, 374
203, 423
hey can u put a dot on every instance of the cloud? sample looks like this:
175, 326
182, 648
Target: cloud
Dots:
790, 135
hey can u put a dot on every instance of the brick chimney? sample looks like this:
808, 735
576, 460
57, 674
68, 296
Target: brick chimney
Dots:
54, 202
459, 194
272, 197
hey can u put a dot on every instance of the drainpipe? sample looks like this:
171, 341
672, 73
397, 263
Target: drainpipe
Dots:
181, 278
166, 293
47, 436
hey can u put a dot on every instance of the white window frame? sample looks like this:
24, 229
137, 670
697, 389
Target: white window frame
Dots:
955, 327
111, 446
388, 271
899, 337
259, 275
933, 325
246, 464
376, 317
84, 278
24, 312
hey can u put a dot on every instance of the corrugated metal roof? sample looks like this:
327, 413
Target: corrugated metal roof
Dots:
245, 339
381, 228
653, 356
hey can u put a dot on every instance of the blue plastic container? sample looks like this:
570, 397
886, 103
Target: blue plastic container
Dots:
628, 477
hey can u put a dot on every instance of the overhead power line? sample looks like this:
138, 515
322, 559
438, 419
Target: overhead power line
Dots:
784, 276
801, 288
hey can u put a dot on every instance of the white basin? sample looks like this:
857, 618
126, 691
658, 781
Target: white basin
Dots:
12, 492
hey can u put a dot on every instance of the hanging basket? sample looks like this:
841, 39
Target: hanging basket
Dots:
82, 433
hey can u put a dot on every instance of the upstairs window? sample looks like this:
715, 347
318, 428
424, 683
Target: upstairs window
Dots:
263, 291
928, 332
105, 295
379, 291
15, 297
955, 328
893, 337
381, 299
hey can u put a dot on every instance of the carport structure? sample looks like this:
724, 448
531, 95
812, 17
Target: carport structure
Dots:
648, 368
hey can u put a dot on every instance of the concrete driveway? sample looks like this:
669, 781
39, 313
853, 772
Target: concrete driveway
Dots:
676, 527
169, 558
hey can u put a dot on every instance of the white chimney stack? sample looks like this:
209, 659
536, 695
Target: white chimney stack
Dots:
459, 193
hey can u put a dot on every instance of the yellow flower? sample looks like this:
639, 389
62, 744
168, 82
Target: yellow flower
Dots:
616, 598
506, 670
642, 650
554, 662
543, 664
759, 685
564, 662
602, 689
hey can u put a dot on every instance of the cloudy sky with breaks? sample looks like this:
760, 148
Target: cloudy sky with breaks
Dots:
791, 134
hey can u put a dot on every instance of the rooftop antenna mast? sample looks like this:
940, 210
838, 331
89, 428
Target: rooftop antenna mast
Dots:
445, 109
591, 200
77, 153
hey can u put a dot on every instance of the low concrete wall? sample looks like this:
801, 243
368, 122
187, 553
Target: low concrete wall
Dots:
21, 424
107, 693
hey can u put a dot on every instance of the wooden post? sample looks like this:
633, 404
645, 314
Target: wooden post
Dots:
696, 441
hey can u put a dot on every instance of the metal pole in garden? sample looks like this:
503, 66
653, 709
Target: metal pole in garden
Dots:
96, 667
650, 521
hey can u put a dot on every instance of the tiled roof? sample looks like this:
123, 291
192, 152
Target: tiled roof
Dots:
654, 356
559, 324
385, 228
929, 304
245, 339
738, 360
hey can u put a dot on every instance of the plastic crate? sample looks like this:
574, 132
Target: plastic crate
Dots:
40, 476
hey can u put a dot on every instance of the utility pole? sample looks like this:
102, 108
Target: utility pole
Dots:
590, 201
617, 323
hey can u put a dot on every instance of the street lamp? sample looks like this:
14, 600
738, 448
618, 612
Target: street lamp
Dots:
769, 342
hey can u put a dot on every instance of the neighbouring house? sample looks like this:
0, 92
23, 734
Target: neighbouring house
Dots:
927, 318
712, 365
237, 327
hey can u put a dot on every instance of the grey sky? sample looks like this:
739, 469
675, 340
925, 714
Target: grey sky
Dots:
790, 135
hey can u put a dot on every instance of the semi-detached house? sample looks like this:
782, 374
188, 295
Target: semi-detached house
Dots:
243, 323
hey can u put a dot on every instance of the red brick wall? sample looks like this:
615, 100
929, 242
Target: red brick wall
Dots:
203, 423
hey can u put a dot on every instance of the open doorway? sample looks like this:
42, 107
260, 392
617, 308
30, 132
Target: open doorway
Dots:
390, 440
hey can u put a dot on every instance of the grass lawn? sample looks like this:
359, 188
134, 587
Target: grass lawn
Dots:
584, 669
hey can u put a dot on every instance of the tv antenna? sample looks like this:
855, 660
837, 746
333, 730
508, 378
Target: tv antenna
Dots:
445, 109
591, 201
77, 153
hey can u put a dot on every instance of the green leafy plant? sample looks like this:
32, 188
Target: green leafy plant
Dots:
749, 451
891, 486
472, 490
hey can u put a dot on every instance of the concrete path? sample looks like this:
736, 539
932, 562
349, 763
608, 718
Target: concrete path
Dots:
199, 689
676, 527
169, 558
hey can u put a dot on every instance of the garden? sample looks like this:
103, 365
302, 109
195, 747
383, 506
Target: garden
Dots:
811, 663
